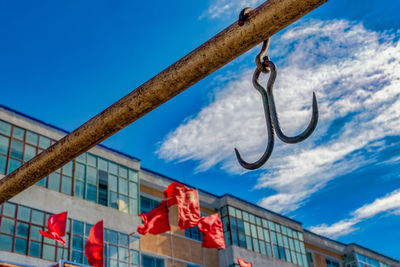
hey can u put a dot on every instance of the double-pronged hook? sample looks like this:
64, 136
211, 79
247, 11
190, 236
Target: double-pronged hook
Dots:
271, 117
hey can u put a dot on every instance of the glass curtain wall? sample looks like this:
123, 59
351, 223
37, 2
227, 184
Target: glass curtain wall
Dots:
249, 231
88, 177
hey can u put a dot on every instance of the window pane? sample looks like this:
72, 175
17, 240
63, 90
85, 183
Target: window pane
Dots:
42, 182
113, 182
113, 200
3, 164
77, 227
44, 142
113, 168
91, 175
91, 193
77, 256
123, 171
82, 158
35, 234
123, 203
133, 206
13, 165
24, 213
5, 128
6, 242
49, 252
123, 254
113, 252
112, 237
30, 152
92, 160
22, 229
35, 249
21, 245
102, 164
9, 209
18, 133
7, 226
77, 242
133, 190
133, 175
54, 181
80, 171
79, 189
67, 169
31, 138
123, 186
66, 186
4, 143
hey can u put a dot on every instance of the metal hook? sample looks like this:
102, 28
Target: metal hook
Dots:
265, 65
270, 130
274, 115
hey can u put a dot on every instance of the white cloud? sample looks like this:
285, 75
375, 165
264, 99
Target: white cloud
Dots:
228, 8
388, 203
355, 74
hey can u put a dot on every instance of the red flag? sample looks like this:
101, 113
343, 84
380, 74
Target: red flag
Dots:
188, 204
213, 234
155, 221
243, 263
56, 224
94, 248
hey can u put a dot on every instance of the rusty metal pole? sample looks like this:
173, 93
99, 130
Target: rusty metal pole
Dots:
263, 22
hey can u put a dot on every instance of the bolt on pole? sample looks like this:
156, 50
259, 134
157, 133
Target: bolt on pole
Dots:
264, 21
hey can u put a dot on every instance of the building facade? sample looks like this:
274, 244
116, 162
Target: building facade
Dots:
104, 184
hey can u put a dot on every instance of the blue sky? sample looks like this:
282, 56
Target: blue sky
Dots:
64, 62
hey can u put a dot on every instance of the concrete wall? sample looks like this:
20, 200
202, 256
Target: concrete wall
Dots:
22, 259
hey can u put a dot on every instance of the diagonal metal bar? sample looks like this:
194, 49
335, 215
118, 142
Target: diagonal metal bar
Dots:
264, 21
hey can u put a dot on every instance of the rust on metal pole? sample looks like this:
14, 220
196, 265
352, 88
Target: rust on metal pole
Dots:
264, 21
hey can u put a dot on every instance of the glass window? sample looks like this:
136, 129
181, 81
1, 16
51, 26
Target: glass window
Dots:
102, 164
79, 189
18, 133
17, 149
245, 216
13, 165
30, 152
148, 261
77, 242
80, 171
4, 143
122, 171
133, 190
123, 203
77, 227
66, 187
112, 237
54, 181
44, 142
21, 245
49, 252
24, 213
7, 226
133, 206
252, 218
5, 128
82, 158
35, 249
31, 138
113, 168
133, 175
3, 164
113, 182
113, 200
91, 175
35, 234
42, 182
9, 209
91, 193
271, 226
113, 252
247, 228
67, 168
6, 242
123, 186
22, 229
76, 256
92, 160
